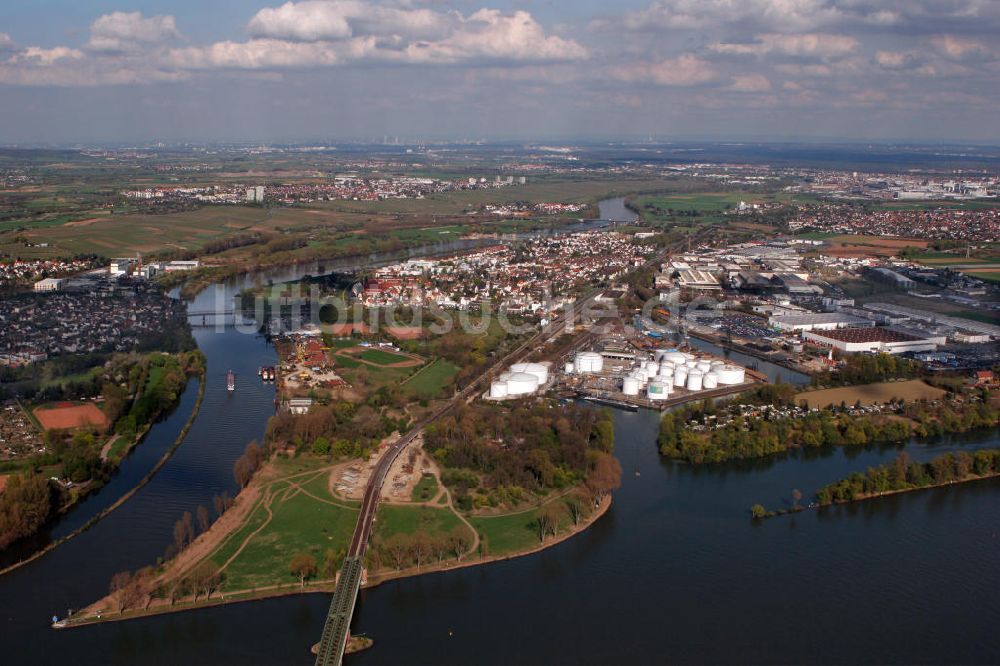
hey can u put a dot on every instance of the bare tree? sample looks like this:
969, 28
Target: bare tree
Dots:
420, 546
458, 539
398, 547
120, 583
303, 566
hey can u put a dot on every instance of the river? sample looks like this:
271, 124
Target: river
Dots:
674, 572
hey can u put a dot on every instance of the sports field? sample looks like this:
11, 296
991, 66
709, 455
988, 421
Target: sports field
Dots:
869, 394
69, 416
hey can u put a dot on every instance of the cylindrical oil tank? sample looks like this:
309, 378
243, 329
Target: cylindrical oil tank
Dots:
710, 381
521, 383
630, 386
730, 374
691, 365
498, 389
588, 362
537, 369
652, 367
694, 381
704, 366
658, 391
641, 376
680, 378
666, 371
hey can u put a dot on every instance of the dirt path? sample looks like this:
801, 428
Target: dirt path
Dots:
106, 449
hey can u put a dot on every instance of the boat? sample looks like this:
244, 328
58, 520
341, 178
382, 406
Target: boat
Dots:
231, 381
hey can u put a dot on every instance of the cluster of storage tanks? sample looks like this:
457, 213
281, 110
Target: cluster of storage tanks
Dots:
520, 380
671, 370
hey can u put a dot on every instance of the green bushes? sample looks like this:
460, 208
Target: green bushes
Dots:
903, 474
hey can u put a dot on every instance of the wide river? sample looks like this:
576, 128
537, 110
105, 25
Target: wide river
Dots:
675, 572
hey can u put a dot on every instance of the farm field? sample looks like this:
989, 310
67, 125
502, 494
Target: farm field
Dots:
858, 246
868, 394
69, 416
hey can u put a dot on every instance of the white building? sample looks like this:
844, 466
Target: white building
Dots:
817, 321
48, 284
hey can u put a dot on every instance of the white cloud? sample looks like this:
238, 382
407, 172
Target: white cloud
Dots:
897, 60
684, 71
317, 20
750, 83
961, 49
35, 55
6, 43
121, 31
320, 34
818, 45
697, 14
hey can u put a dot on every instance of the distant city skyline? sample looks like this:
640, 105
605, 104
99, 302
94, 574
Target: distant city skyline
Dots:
140, 71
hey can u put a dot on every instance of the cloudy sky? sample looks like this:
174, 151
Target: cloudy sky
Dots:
145, 70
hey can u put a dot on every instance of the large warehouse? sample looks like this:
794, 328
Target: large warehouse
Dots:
887, 340
817, 321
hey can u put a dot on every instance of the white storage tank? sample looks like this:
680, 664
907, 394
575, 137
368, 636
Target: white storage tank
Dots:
676, 357
710, 381
730, 374
536, 369
691, 365
688, 357
704, 366
652, 367
498, 390
568, 369
630, 386
694, 381
521, 383
666, 372
666, 365
658, 391
588, 362
680, 378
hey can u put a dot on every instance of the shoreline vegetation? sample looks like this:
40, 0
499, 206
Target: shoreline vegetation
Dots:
135, 392
766, 421
103, 610
181, 436
901, 476
486, 484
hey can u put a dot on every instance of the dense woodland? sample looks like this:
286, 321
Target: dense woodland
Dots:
342, 429
495, 456
705, 432
904, 474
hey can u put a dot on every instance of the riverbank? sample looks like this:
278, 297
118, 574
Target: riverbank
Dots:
130, 493
103, 610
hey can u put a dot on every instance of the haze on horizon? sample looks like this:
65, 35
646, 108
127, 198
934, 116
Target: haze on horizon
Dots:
237, 70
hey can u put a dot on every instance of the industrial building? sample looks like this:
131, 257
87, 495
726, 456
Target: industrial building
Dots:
820, 321
48, 284
873, 340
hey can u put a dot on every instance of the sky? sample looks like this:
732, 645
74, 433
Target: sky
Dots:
525, 70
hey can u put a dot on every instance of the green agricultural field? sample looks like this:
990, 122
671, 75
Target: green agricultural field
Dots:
432, 380
991, 276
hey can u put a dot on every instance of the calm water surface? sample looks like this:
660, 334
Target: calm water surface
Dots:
675, 572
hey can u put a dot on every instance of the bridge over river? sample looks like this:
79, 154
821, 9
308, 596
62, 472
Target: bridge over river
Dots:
336, 630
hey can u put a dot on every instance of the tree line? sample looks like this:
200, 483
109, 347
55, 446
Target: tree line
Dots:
867, 369
905, 474
753, 436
